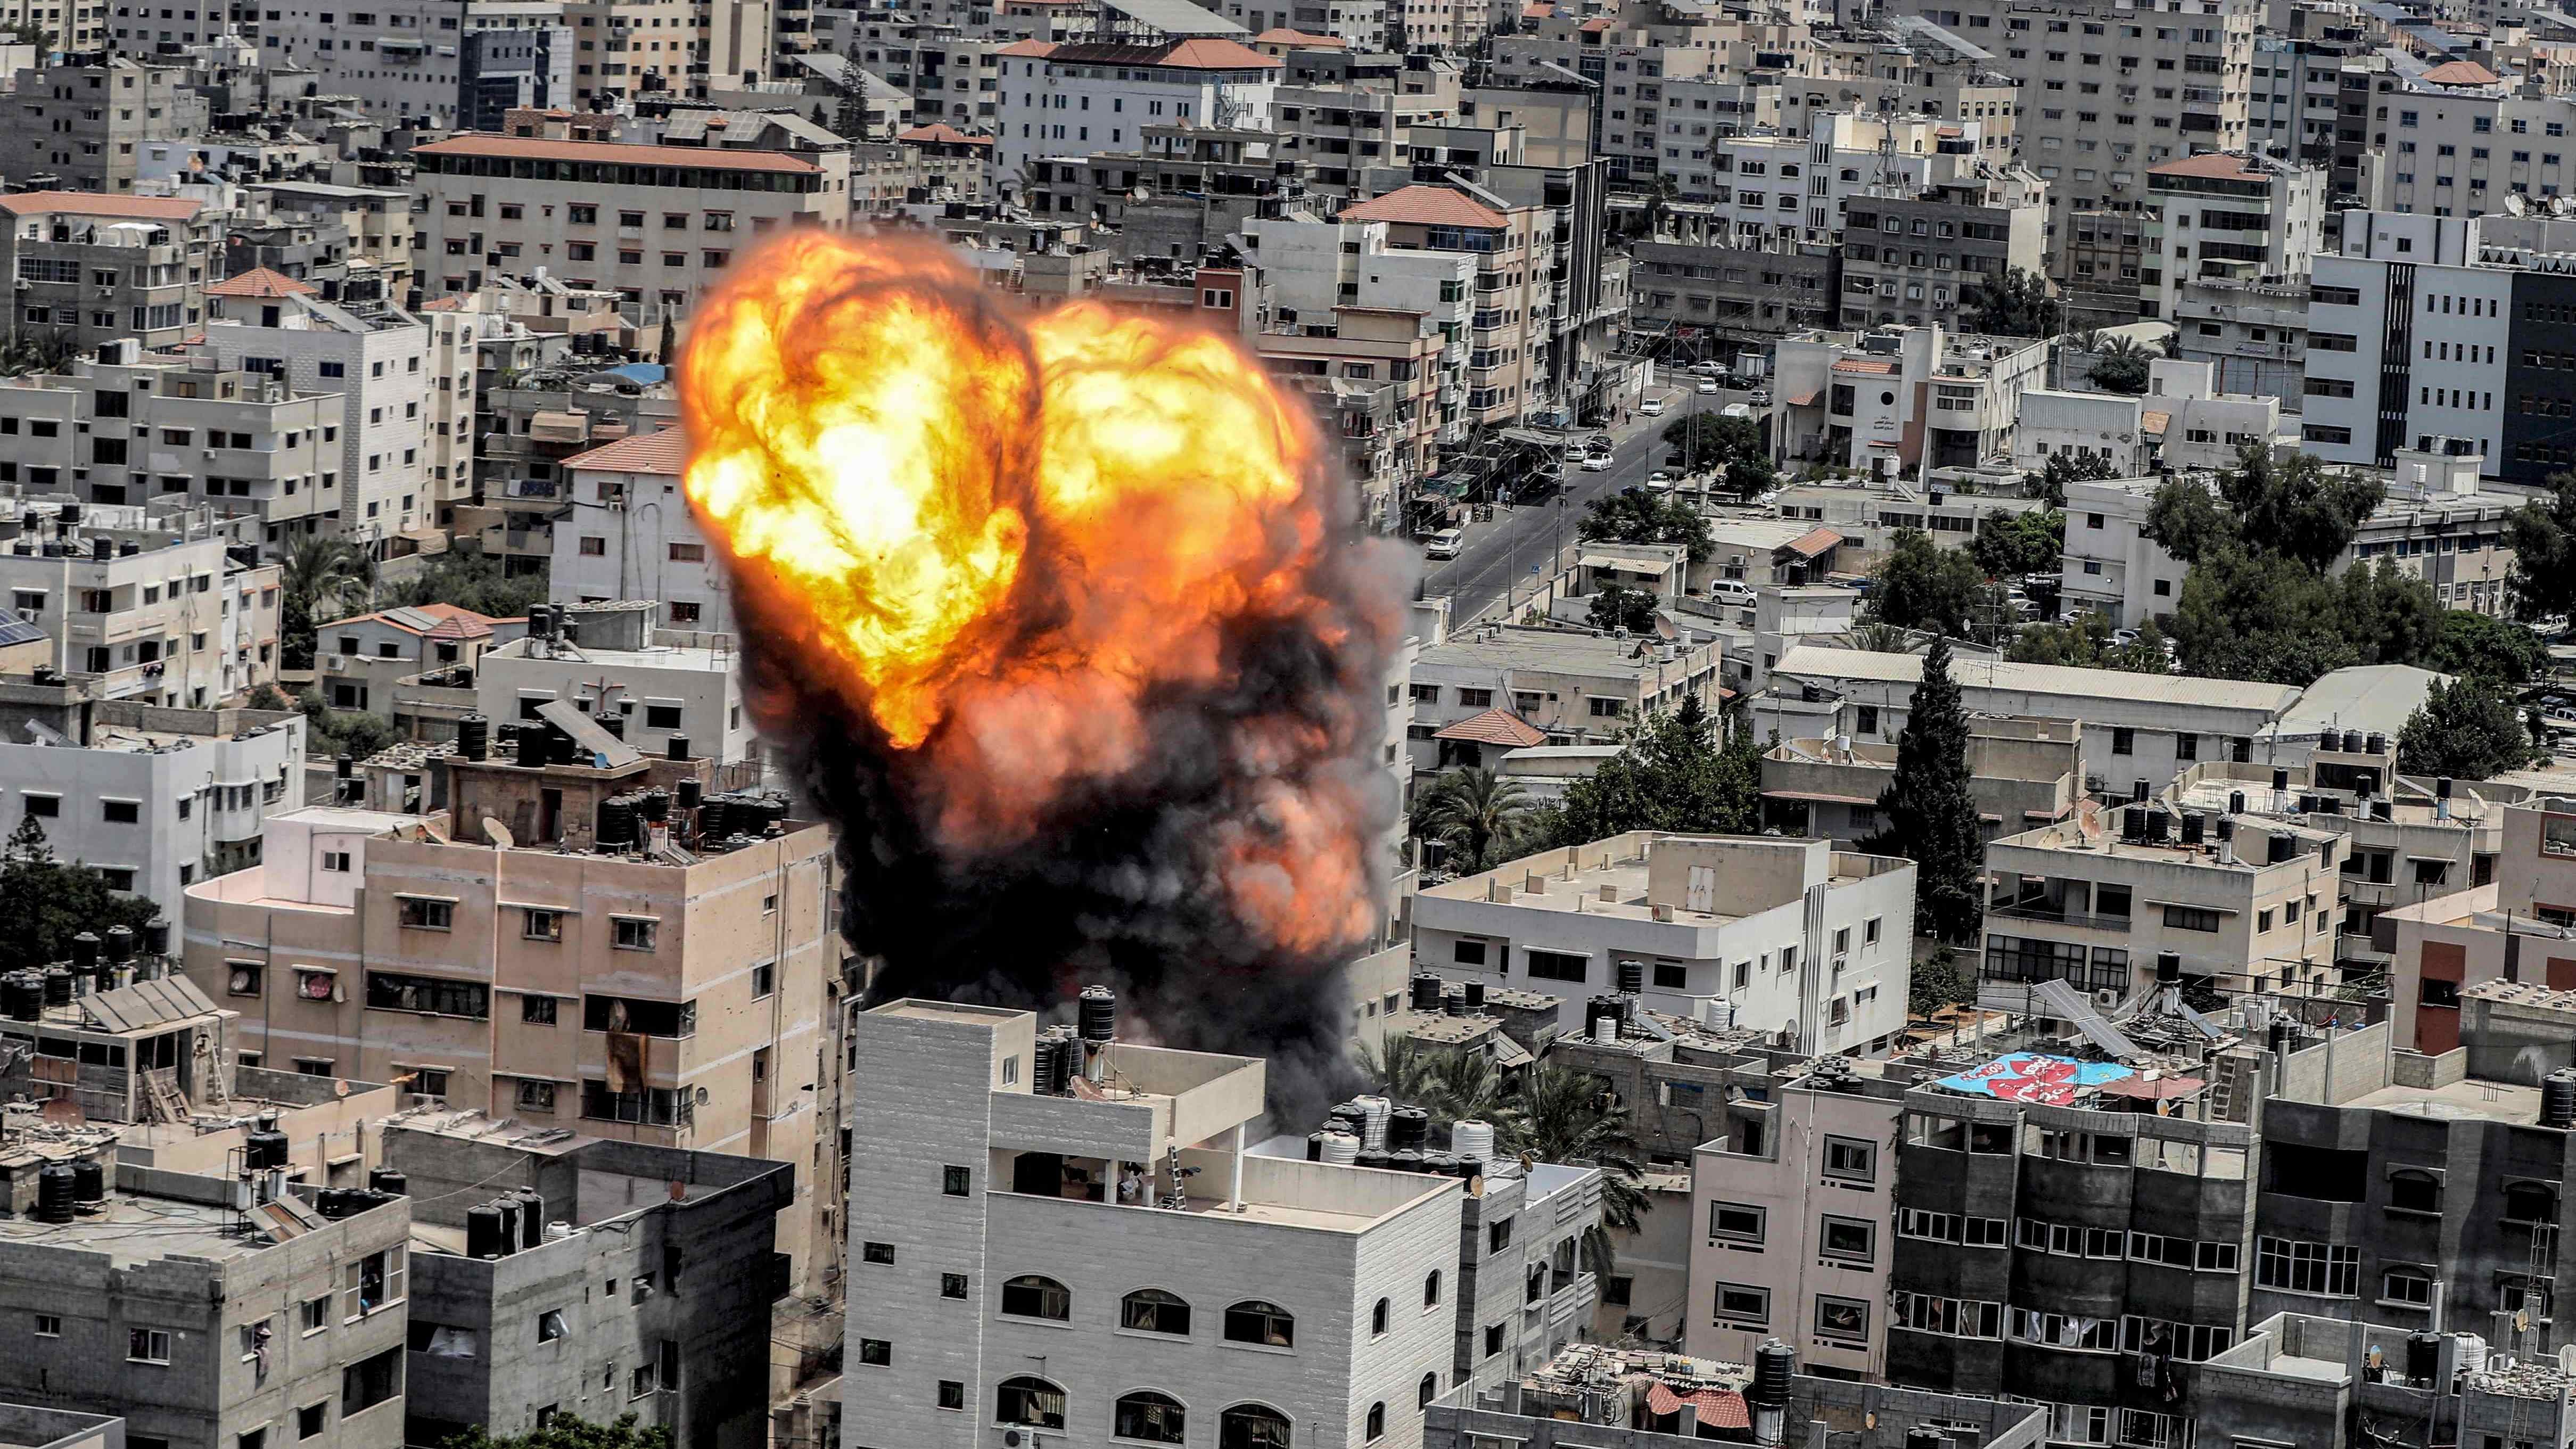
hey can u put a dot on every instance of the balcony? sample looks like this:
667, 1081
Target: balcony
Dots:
2052, 915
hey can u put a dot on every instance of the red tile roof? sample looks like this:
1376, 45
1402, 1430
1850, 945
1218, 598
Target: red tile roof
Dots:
2460, 73
664, 452
83, 203
1718, 1408
1813, 542
616, 153
1202, 54
2218, 165
1496, 726
1427, 206
1028, 48
1597, 26
1301, 40
1866, 366
260, 282
942, 133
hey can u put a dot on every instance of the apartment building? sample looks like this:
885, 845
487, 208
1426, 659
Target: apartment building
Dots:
2109, 566
2459, 139
407, 63
2317, 1378
81, 124
1721, 301
1915, 257
2084, 425
2107, 899
584, 210
1377, 376
364, 661
612, 661
1575, 688
2109, 91
1513, 244
1341, 128
629, 534
508, 1339
376, 360
953, 76
2515, 927
90, 270
1776, 935
2253, 335
1104, 1276
1902, 399
537, 952
2138, 728
146, 607
1073, 99
375, 221
2205, 430
2225, 217
548, 416
197, 1319
154, 798
2019, 770
2409, 299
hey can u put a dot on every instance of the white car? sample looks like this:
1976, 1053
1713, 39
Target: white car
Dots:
1707, 387
1731, 591
1596, 462
1659, 481
1652, 407
1706, 369
1762, 397
2124, 637
1444, 544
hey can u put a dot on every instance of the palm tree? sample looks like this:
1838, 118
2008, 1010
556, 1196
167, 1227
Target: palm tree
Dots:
1477, 813
2121, 366
324, 578
1573, 1117
1401, 1069
1881, 637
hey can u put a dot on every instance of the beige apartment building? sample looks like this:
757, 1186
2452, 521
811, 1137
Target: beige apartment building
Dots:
656, 224
1514, 247
497, 956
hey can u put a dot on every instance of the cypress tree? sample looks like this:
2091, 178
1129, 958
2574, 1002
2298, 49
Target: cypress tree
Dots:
1930, 815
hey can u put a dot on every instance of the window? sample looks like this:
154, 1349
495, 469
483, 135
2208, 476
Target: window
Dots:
2190, 918
316, 1315
953, 1181
2124, 741
1472, 953
952, 1394
1252, 1426
1557, 965
1031, 1296
952, 1285
536, 1096
1743, 1306
2330, 1270
876, 1253
1149, 1416
371, 1284
1431, 1290
47, 806
1376, 1422
2414, 1190
1842, 1319
311, 1419
430, 995
1257, 1322
422, 914
1736, 1222
1850, 1239
1030, 1402
1151, 1310
537, 925
2412, 1287
764, 981
873, 1352
147, 1345
49, 1325
1851, 1158
636, 1015
1378, 1318
635, 933
120, 812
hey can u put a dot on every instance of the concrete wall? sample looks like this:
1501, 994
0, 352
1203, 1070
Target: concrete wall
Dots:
2342, 1066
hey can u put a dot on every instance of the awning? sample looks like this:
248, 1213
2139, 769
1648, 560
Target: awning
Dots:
1718, 1408
1865, 367
1496, 726
1807, 399
2154, 422
1820, 797
1813, 542
1652, 567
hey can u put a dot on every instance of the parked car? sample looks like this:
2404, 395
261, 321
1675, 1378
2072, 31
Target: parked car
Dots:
1444, 544
1596, 462
1707, 369
1659, 481
1652, 407
1731, 591
1762, 397
1707, 387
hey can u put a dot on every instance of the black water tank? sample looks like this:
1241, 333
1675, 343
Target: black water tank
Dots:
1475, 996
89, 1180
714, 817
1408, 1129
483, 1233
2283, 1038
2133, 826
532, 747
508, 1208
58, 986
474, 737
568, 627
532, 1217
263, 1150
1632, 976
1425, 992
1454, 1002
2281, 847
390, 1182
2158, 824
2168, 968
2280, 779
1314, 1147
2225, 830
156, 938
2376, 744
2558, 1099
2352, 742
692, 794
677, 748
22, 996
616, 822
2137, 792
55, 1194
102, 549
563, 749
85, 949
120, 944
2195, 828
1773, 1365
1056, 1059
1097, 1011
343, 765
2235, 802
541, 621
2423, 1357
614, 723
2442, 787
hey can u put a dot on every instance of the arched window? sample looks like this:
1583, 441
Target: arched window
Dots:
1029, 1401
1376, 1422
1151, 1310
1152, 1417
1430, 1390
1252, 1426
1431, 1290
2415, 1190
1030, 1296
1536, 1288
1377, 1317
1268, 1324
2529, 1202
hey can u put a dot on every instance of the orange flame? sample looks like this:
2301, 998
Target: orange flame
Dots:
1005, 540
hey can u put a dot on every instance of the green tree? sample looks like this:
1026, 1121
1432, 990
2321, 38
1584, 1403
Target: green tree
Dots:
323, 579
563, 1431
1937, 981
1452, 1085
2086, 643
473, 581
1633, 515
2264, 616
1930, 813
44, 902
2474, 643
2121, 366
1573, 1117
1480, 816
1710, 440
2468, 729
270, 697
2543, 536
332, 732
1747, 478
1924, 586
2063, 468
2017, 304
2009, 543
1616, 606
2273, 500
1674, 773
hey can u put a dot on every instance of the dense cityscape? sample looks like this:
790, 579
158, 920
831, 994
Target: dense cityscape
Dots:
1557, 724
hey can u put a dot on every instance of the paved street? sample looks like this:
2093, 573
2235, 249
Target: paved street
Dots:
1515, 548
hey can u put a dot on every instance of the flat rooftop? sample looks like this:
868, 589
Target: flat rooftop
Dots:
135, 1228
1557, 651
2492, 1101
1613, 876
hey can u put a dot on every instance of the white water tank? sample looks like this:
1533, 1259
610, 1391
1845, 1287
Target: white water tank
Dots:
1341, 1148
1377, 1109
1471, 1138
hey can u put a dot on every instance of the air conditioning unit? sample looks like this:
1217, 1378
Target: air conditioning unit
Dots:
335, 664
2106, 998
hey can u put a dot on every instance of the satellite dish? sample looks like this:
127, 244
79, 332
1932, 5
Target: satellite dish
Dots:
499, 834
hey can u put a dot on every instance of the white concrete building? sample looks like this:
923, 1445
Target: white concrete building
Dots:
1901, 400
2108, 564
1766, 934
402, 60
1076, 99
155, 798
1113, 1262
621, 667
2084, 424
378, 364
2204, 428
1574, 687
629, 534
2221, 216
145, 608
2409, 339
